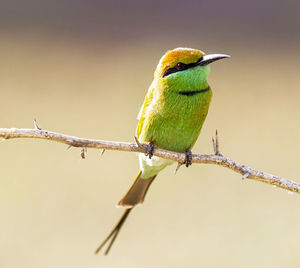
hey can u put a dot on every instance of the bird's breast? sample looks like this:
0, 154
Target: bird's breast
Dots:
175, 124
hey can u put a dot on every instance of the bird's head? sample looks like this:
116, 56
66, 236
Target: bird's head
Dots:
185, 68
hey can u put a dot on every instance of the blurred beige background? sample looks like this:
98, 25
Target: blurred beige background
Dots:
83, 68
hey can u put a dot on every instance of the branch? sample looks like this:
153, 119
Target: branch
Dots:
216, 159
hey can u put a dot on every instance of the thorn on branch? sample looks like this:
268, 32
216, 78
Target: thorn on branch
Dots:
83, 152
245, 176
36, 126
102, 152
178, 167
69, 146
216, 144
147, 148
139, 144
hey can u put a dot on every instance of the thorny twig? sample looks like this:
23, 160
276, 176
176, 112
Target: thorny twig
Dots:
216, 158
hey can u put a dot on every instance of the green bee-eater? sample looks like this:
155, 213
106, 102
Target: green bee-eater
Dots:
170, 118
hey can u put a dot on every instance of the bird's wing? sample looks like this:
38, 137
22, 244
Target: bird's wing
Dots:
142, 114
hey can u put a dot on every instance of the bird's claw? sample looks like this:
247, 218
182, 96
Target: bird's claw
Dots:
188, 158
150, 149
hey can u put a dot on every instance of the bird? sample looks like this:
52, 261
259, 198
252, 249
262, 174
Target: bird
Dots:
171, 118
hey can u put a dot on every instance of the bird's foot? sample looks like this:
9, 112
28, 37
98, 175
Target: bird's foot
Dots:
188, 158
150, 149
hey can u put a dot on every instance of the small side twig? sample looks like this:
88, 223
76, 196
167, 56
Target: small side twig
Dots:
141, 146
36, 126
216, 144
179, 164
245, 176
83, 153
69, 146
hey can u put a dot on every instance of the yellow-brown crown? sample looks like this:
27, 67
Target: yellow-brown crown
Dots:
172, 57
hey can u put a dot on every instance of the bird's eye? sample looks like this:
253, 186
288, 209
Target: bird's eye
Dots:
180, 66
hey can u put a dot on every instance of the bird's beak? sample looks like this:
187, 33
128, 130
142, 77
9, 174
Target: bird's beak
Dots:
207, 59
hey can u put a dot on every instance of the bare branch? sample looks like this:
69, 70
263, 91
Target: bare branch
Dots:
216, 159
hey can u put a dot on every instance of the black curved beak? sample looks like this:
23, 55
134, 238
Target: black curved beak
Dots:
207, 59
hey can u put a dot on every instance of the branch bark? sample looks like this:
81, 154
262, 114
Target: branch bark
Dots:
216, 159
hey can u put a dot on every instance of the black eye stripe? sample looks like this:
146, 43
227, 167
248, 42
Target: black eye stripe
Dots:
186, 66
170, 71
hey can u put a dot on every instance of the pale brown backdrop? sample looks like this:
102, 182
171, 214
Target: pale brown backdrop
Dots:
83, 68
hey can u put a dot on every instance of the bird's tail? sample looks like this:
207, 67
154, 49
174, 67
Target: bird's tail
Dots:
137, 192
135, 196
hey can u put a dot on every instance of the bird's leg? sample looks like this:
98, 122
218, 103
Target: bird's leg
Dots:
188, 158
150, 149
114, 233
